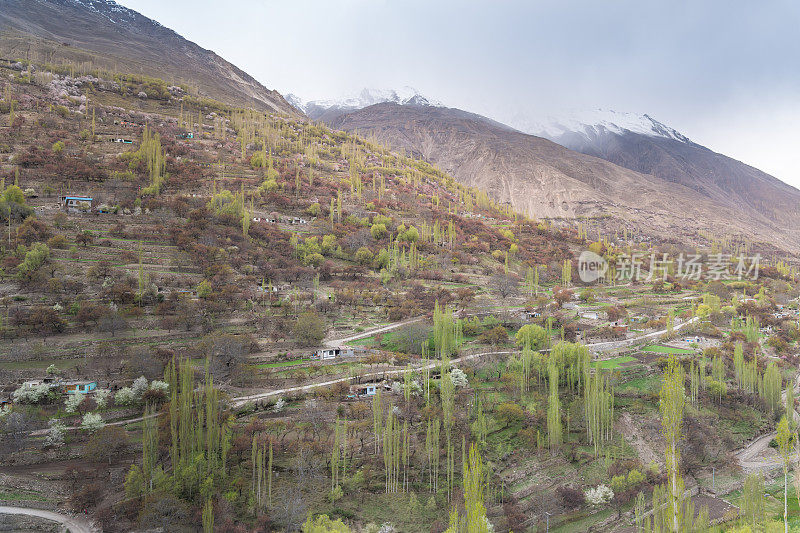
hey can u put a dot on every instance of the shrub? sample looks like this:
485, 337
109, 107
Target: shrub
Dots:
378, 231
101, 398
125, 397
92, 422
33, 395
599, 495
571, 498
56, 433
58, 147
73, 402
364, 256
458, 377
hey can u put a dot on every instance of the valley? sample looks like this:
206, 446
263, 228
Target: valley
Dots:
226, 311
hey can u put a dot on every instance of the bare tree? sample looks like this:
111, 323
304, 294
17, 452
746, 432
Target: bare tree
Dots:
504, 285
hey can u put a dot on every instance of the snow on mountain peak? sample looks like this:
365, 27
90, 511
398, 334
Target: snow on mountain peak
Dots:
365, 98
593, 123
113, 11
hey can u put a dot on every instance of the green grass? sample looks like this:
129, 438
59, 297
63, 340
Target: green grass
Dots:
642, 384
61, 364
616, 362
21, 496
658, 348
582, 524
279, 364
365, 341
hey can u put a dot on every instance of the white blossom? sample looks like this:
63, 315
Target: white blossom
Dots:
600, 495
92, 421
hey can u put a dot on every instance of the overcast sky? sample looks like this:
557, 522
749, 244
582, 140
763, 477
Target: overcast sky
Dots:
726, 73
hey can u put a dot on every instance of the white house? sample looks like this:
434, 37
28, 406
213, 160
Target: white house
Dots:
332, 353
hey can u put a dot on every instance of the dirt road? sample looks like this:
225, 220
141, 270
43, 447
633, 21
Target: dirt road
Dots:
597, 347
74, 524
757, 455
370, 332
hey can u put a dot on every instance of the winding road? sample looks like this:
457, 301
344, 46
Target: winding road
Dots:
752, 457
597, 347
73, 524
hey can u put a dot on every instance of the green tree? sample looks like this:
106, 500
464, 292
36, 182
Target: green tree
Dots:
785, 439
554, 430
363, 256
323, 524
753, 500
378, 231
532, 336
204, 289
510, 413
474, 485
672, 403
310, 328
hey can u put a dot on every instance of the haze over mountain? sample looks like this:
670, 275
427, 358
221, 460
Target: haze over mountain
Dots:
643, 144
632, 167
653, 169
328, 110
104, 34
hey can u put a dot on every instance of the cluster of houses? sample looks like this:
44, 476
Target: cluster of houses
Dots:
280, 219
83, 205
65, 386
58, 384
127, 124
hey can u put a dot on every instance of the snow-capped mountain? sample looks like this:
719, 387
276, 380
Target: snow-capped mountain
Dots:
113, 12
326, 110
593, 124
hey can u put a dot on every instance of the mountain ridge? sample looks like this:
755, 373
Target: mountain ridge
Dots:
104, 34
542, 178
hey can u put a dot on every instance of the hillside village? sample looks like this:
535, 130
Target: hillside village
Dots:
219, 319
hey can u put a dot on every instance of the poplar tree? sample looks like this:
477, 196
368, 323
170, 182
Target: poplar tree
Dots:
753, 500
672, 402
554, 430
772, 387
786, 445
474, 485
738, 364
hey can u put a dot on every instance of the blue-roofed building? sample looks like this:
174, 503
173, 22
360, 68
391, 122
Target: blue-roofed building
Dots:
77, 204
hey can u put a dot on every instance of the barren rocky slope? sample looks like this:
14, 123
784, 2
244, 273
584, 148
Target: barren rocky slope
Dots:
104, 34
547, 180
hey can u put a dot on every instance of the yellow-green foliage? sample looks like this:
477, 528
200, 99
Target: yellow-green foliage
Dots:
225, 203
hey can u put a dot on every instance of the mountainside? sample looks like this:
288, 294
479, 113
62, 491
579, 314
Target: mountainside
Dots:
104, 34
544, 179
641, 143
329, 110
